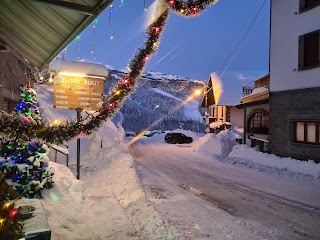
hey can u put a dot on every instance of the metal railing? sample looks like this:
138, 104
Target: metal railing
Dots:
261, 82
58, 150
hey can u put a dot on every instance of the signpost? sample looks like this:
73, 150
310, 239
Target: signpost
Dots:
75, 92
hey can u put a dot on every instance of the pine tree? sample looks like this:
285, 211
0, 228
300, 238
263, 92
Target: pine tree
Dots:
9, 227
23, 162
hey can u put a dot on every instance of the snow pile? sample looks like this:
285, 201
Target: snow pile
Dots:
215, 145
231, 134
255, 159
107, 202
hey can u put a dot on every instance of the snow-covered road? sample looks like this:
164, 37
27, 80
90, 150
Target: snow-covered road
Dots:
206, 199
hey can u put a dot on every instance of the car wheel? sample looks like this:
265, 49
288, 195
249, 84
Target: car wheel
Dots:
175, 141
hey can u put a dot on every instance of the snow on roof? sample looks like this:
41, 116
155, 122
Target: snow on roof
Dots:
87, 68
216, 124
257, 90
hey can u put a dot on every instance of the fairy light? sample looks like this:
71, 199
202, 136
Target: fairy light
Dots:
78, 46
56, 122
2, 220
110, 16
8, 204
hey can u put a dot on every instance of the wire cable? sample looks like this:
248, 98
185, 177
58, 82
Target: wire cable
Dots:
234, 52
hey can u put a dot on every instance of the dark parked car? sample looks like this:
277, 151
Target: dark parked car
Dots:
175, 138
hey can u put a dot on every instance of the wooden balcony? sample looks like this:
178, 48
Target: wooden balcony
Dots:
259, 90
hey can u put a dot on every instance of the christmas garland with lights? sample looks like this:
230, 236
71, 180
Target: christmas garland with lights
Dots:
126, 86
190, 8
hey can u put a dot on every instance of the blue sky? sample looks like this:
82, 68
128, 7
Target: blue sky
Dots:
190, 47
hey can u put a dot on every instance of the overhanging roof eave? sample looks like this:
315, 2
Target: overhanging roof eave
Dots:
87, 20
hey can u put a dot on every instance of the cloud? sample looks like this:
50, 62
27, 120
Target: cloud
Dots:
242, 77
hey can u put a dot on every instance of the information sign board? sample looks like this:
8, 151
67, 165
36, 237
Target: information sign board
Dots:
73, 92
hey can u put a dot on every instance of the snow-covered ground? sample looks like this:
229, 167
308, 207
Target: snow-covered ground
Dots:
208, 196
109, 202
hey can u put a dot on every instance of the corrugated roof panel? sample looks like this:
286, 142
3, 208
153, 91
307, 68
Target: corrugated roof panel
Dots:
38, 30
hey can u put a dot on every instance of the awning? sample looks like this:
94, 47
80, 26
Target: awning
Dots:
38, 30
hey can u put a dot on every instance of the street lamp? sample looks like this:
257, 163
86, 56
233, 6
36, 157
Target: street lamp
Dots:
206, 114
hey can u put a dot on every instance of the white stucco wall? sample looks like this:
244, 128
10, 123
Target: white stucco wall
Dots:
236, 117
286, 27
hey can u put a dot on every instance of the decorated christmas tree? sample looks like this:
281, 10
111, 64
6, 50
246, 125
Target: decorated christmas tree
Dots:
23, 161
9, 227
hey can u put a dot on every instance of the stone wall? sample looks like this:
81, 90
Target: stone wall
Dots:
289, 106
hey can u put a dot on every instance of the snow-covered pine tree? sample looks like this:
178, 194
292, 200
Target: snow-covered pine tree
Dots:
24, 162
9, 227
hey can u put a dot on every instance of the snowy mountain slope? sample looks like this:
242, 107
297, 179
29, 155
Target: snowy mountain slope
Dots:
157, 95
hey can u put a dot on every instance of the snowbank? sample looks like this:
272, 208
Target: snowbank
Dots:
231, 134
108, 201
250, 156
215, 145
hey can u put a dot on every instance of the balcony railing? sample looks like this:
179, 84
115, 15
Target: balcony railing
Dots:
261, 82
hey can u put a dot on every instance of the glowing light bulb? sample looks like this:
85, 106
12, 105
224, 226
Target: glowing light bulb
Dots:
13, 213
8, 204
198, 92
56, 122
2, 221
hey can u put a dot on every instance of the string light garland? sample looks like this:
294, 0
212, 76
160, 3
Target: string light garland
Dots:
126, 86
190, 8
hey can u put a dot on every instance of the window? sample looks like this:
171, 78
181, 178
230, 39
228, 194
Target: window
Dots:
259, 123
306, 5
309, 50
307, 132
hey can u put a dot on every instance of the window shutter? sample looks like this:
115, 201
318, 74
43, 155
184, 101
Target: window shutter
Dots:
301, 52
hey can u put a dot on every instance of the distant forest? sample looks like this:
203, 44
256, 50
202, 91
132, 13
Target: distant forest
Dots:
146, 107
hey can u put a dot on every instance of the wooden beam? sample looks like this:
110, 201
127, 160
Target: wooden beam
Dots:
72, 6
